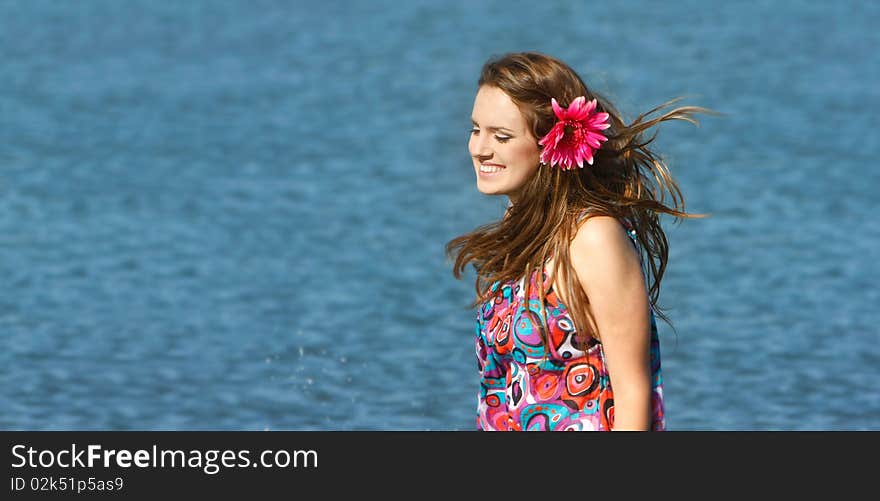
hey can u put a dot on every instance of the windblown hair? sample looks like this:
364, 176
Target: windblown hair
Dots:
626, 181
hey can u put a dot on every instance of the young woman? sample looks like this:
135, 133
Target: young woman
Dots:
566, 337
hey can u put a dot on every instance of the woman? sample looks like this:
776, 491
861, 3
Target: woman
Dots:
566, 334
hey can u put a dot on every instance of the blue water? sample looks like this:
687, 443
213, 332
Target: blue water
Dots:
231, 215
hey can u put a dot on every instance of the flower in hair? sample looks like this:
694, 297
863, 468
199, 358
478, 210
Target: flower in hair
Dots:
575, 136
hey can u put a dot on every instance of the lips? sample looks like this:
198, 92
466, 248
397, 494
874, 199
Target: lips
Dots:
490, 169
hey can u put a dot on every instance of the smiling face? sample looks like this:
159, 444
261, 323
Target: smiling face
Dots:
503, 149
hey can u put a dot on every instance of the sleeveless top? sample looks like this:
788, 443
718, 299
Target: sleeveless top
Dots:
524, 387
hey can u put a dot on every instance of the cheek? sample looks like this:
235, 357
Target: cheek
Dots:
526, 154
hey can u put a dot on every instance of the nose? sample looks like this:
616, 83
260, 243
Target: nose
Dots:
480, 147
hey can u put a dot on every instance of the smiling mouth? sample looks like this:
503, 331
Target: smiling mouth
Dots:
489, 169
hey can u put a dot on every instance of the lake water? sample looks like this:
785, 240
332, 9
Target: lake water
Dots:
231, 215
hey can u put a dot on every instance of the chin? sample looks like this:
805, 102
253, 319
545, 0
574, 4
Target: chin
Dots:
486, 189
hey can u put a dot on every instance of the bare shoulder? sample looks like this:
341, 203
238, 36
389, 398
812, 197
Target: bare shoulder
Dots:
599, 234
601, 246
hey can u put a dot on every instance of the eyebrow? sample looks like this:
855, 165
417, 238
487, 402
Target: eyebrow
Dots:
492, 127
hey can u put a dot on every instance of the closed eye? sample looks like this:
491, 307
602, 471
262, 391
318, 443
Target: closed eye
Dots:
501, 139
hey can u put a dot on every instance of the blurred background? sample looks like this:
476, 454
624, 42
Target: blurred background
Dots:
232, 215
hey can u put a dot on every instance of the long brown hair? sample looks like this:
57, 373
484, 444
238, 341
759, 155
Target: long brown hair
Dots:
626, 181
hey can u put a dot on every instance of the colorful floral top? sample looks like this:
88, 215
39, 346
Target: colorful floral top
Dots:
570, 390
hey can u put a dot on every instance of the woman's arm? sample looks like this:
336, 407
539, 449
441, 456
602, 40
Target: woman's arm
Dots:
607, 267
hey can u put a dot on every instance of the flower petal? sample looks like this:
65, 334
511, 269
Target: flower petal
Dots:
579, 109
560, 113
593, 139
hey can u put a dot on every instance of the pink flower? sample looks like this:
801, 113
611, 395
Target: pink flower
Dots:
576, 136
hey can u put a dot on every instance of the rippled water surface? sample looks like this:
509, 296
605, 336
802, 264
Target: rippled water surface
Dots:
231, 215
